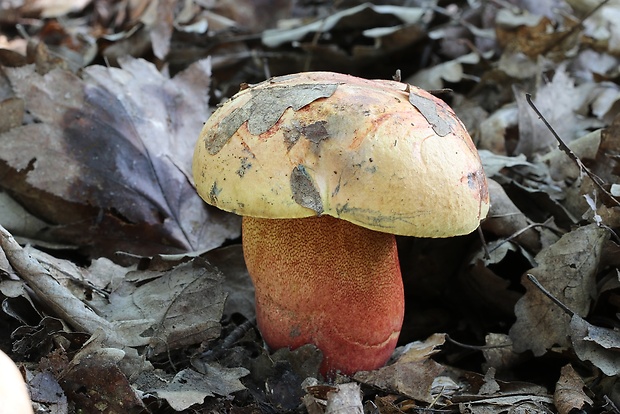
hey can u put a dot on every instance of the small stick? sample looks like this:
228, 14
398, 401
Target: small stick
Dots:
548, 294
51, 292
477, 347
562, 145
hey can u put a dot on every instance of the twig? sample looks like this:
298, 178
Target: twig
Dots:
477, 347
485, 246
523, 230
228, 341
53, 294
611, 404
562, 145
548, 294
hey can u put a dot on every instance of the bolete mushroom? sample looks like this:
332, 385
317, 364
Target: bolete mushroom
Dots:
325, 169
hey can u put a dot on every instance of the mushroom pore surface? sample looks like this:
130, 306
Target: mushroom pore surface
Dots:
328, 282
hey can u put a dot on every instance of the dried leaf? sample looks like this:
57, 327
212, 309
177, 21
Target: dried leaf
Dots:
57, 297
361, 15
93, 380
167, 310
44, 388
534, 137
110, 155
237, 283
567, 269
347, 398
601, 346
412, 375
569, 394
189, 387
16, 219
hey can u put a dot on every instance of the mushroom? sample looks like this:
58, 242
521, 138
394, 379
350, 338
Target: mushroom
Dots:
325, 169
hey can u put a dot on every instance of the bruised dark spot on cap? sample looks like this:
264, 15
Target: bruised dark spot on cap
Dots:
476, 181
315, 132
291, 136
246, 164
214, 193
304, 190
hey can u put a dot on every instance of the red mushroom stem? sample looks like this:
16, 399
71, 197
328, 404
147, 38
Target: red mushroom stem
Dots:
328, 282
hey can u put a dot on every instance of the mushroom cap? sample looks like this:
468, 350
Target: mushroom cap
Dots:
381, 154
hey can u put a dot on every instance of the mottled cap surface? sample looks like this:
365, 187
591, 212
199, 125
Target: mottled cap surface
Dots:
380, 154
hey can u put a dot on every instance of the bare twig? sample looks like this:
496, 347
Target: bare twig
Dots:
523, 230
562, 145
478, 347
58, 298
548, 294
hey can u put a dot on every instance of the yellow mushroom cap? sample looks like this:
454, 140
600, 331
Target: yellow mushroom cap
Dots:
381, 154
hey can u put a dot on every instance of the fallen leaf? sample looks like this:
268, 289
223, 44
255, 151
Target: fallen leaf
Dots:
346, 398
569, 394
109, 158
93, 380
412, 375
534, 137
600, 346
189, 387
237, 283
44, 388
355, 16
162, 309
167, 310
567, 269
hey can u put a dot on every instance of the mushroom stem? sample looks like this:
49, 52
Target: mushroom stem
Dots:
328, 282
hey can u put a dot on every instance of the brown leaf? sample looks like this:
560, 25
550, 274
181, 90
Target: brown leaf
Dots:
412, 375
93, 380
167, 310
601, 346
109, 157
569, 394
189, 387
567, 269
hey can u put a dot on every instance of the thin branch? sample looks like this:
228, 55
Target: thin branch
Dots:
478, 347
562, 145
51, 292
548, 294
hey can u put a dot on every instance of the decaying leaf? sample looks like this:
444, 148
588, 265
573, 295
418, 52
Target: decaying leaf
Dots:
600, 346
355, 16
236, 282
162, 309
569, 392
108, 159
45, 390
337, 399
189, 387
534, 137
413, 374
168, 310
93, 379
567, 270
